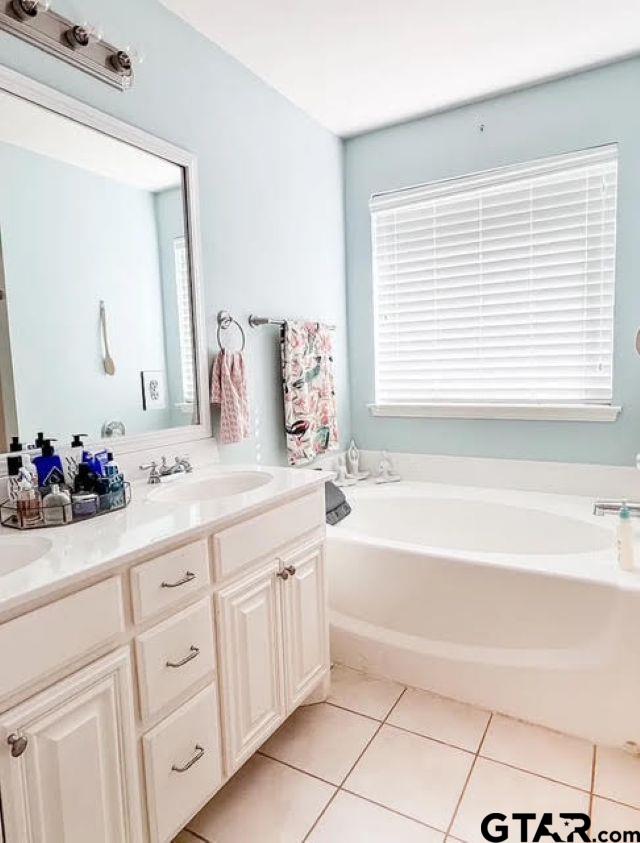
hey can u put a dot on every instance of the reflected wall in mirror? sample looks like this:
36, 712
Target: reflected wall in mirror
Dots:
96, 319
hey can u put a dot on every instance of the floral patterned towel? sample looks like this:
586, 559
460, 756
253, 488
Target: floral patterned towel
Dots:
310, 413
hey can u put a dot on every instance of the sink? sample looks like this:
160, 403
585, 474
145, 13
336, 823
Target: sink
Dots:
18, 551
211, 488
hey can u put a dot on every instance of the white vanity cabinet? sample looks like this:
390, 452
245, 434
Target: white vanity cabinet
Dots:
272, 630
75, 777
128, 703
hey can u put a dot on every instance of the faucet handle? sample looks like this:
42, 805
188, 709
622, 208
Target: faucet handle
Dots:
152, 464
185, 462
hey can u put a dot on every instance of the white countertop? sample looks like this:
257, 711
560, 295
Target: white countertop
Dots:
78, 552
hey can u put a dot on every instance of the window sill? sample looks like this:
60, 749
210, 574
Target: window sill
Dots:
513, 412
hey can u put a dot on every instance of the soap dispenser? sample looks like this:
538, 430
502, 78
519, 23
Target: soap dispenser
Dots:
56, 506
49, 465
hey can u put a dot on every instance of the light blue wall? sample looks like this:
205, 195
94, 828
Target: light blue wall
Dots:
271, 191
589, 109
69, 239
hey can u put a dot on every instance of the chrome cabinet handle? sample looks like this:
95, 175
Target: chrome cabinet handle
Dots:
187, 578
18, 744
194, 652
196, 757
291, 569
284, 575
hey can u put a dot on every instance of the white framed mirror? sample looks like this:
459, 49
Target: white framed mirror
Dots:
101, 314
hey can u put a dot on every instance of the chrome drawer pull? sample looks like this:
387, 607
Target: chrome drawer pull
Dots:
198, 755
194, 652
187, 578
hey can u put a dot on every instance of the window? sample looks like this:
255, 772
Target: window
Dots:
185, 332
494, 293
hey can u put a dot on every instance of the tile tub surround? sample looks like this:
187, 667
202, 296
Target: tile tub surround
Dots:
412, 783
88, 550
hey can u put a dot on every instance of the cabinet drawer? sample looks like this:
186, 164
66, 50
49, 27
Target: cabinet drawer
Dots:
182, 764
244, 543
47, 639
175, 655
168, 579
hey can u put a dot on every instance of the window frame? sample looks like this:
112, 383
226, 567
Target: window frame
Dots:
543, 411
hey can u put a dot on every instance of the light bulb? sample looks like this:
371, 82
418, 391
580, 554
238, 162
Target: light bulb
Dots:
95, 31
136, 54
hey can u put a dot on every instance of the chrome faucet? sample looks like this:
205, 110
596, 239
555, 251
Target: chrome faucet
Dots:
614, 507
181, 465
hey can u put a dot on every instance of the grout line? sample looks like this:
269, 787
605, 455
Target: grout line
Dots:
353, 766
464, 749
593, 780
293, 767
352, 711
392, 810
196, 835
467, 780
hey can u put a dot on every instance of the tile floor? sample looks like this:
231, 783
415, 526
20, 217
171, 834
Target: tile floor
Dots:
381, 763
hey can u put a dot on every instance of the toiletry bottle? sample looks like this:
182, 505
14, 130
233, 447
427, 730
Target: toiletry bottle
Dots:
85, 478
626, 549
56, 507
77, 446
14, 464
49, 465
39, 440
29, 505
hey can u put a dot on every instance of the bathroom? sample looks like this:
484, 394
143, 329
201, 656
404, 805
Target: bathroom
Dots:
319, 422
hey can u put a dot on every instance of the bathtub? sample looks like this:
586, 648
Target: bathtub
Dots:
508, 600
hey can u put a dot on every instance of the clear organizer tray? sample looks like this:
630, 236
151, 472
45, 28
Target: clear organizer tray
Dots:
12, 516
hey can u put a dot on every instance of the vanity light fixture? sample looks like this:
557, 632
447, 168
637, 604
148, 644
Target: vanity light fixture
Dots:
82, 35
81, 44
26, 9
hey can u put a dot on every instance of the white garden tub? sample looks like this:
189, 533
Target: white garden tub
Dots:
508, 600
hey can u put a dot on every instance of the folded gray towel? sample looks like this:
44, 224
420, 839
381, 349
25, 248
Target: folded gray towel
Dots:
336, 505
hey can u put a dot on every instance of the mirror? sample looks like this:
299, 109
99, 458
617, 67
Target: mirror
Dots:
97, 328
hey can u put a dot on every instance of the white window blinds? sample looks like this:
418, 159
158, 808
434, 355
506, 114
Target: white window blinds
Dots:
185, 331
498, 288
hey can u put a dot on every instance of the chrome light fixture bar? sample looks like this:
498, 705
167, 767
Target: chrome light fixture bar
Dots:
33, 21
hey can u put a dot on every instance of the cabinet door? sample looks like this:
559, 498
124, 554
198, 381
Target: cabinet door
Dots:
77, 779
250, 659
306, 633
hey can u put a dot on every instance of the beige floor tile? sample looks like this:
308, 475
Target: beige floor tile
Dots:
617, 775
350, 819
436, 717
265, 802
561, 757
610, 816
495, 788
361, 693
414, 775
322, 740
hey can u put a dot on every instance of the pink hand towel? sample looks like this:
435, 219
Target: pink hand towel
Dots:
229, 390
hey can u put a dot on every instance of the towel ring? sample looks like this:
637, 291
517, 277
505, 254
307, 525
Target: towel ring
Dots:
226, 320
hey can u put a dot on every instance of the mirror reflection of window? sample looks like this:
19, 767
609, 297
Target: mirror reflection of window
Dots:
183, 296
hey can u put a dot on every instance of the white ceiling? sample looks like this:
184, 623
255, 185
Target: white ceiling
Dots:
358, 64
29, 126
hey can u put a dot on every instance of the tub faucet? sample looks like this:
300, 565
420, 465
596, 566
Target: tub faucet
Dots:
614, 507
